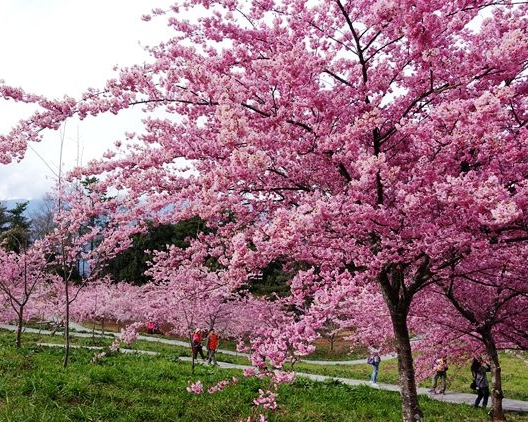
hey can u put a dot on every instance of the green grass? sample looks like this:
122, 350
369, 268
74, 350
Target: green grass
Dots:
514, 368
34, 387
388, 371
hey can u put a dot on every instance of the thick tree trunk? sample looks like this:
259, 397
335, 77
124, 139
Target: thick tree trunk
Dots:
497, 412
19, 328
410, 407
398, 298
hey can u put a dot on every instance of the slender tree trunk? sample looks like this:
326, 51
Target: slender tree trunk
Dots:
497, 412
67, 325
410, 407
19, 328
192, 353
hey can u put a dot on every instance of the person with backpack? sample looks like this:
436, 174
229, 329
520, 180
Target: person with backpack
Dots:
440, 367
374, 360
211, 344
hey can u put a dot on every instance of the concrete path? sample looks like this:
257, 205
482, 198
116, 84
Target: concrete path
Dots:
450, 397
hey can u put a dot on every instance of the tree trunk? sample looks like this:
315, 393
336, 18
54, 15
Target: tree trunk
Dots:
192, 353
19, 328
497, 412
410, 407
67, 325
398, 298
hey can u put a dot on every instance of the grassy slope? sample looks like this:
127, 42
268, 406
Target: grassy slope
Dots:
514, 367
34, 387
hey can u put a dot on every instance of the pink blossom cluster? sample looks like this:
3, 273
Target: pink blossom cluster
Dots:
220, 386
114, 347
283, 377
196, 388
129, 334
266, 399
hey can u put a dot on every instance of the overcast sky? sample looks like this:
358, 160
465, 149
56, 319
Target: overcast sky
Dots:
58, 47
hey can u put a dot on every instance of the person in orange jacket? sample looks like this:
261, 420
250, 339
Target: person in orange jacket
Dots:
211, 344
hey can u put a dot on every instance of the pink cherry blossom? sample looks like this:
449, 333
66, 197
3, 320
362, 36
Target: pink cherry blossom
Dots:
196, 388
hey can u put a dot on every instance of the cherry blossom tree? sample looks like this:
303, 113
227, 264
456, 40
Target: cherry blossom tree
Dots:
81, 247
101, 300
23, 276
380, 141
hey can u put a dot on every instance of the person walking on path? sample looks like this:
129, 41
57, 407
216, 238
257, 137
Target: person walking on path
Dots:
211, 344
374, 360
475, 365
481, 382
196, 345
440, 368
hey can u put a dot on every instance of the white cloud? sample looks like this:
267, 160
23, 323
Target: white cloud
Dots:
62, 47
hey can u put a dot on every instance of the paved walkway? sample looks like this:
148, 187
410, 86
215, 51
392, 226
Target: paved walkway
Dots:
450, 397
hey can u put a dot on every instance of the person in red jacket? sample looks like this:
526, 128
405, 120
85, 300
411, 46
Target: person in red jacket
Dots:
196, 345
212, 346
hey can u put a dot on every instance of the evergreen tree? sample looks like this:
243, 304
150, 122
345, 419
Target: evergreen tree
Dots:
14, 227
131, 264
3, 218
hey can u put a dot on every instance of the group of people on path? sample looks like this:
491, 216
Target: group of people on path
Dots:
479, 370
212, 341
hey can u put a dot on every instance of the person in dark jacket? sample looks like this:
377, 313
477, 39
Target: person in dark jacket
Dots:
481, 382
374, 360
196, 345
